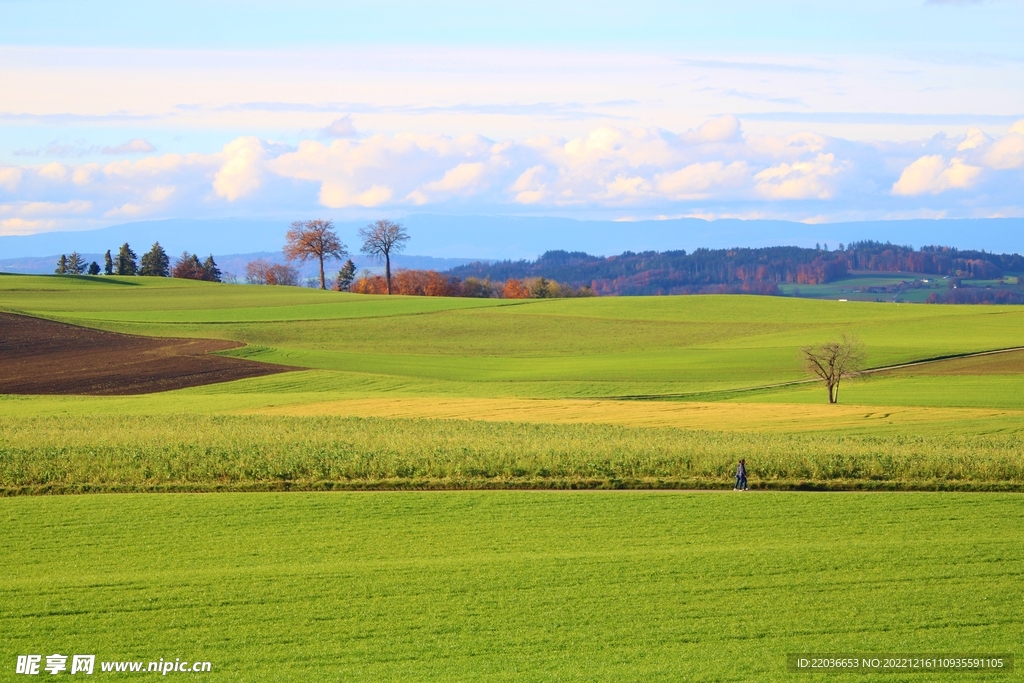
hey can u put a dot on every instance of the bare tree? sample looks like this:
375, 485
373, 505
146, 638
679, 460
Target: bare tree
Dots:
834, 360
382, 238
263, 272
314, 240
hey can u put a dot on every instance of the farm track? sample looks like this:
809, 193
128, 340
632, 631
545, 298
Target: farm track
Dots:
45, 357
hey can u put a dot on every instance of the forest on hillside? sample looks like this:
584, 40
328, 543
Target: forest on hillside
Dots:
752, 270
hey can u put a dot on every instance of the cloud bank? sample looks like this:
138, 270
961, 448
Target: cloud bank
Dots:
710, 170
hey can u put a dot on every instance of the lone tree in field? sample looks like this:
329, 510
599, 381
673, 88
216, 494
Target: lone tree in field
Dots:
155, 262
832, 361
382, 238
314, 240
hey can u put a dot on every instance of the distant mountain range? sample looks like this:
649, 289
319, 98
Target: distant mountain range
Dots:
467, 238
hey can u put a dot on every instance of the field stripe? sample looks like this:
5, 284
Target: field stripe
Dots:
682, 415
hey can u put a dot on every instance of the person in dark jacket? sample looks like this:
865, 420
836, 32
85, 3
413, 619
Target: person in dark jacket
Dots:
741, 476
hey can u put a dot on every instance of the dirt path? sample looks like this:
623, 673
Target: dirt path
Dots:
45, 357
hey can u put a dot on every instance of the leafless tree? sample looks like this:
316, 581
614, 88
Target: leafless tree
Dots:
834, 360
314, 240
382, 238
263, 272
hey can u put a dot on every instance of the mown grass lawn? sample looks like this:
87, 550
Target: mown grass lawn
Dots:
510, 586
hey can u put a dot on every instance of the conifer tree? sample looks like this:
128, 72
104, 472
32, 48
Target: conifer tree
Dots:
155, 262
94, 268
62, 265
211, 272
108, 264
126, 261
346, 276
75, 264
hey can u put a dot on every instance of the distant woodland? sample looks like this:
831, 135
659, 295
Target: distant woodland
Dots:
755, 271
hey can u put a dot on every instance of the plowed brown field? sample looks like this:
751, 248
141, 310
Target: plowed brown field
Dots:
45, 357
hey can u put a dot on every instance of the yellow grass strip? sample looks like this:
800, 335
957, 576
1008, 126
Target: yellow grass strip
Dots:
714, 416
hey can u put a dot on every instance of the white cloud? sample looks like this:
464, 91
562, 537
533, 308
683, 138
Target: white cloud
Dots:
20, 226
529, 187
28, 209
799, 180
698, 181
336, 195
10, 177
54, 171
975, 138
462, 177
722, 129
714, 169
371, 171
1007, 152
628, 188
149, 167
341, 128
242, 171
86, 174
932, 175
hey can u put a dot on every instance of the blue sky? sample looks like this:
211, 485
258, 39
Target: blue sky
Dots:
113, 111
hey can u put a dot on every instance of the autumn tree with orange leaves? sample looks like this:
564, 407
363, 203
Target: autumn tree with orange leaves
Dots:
314, 239
514, 289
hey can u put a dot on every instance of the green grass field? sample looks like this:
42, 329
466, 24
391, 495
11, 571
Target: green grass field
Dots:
407, 381
510, 586
323, 584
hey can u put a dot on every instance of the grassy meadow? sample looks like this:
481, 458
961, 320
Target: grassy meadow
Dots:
387, 558
510, 586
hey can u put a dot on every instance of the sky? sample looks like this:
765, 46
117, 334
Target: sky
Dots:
112, 112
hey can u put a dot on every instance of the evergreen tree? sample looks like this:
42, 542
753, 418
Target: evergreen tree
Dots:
94, 268
62, 265
108, 264
155, 262
211, 273
346, 276
126, 261
75, 264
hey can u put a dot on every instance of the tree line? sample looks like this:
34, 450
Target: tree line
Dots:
433, 283
154, 263
757, 270
317, 240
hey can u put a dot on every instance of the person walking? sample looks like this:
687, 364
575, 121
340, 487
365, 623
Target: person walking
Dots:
741, 476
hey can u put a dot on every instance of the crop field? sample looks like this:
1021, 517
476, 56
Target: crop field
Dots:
510, 586
364, 516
